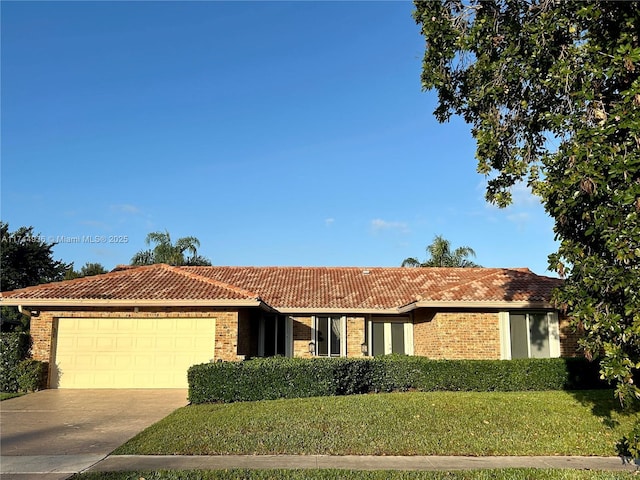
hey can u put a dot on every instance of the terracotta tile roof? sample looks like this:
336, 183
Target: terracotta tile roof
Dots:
382, 288
153, 282
289, 288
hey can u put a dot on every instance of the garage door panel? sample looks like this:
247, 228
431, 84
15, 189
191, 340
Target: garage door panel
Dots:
124, 343
106, 324
130, 352
169, 327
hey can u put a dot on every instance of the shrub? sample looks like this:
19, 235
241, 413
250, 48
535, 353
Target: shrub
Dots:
629, 445
32, 375
14, 347
260, 379
272, 378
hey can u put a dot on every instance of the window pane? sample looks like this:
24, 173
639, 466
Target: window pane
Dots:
322, 334
377, 340
397, 338
335, 337
539, 335
518, 327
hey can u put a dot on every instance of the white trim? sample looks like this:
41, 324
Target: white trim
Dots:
505, 335
99, 302
56, 302
388, 337
314, 334
554, 334
343, 334
408, 338
352, 312
505, 332
388, 340
527, 317
471, 304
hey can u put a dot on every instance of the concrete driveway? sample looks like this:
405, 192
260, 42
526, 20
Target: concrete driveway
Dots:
54, 433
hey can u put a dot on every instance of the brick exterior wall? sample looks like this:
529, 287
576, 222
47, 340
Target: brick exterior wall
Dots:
456, 335
301, 336
568, 339
355, 336
224, 346
438, 335
42, 335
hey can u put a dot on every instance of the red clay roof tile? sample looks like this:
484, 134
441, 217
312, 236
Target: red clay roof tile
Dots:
347, 288
153, 282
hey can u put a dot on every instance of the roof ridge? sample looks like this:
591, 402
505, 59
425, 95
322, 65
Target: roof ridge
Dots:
210, 281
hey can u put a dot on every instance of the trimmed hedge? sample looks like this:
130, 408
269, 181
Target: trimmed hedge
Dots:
272, 378
32, 375
14, 347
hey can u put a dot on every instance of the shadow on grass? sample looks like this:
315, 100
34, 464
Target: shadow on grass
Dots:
601, 399
603, 404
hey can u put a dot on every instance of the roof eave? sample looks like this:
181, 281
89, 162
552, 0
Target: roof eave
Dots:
338, 310
497, 304
108, 302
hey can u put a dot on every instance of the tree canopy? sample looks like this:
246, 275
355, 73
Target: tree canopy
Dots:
552, 94
440, 255
183, 252
27, 260
87, 270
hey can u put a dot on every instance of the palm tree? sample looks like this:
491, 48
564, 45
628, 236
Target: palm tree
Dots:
167, 252
440, 255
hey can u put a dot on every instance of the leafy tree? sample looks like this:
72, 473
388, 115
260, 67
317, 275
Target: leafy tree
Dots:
552, 94
88, 269
171, 253
27, 259
440, 255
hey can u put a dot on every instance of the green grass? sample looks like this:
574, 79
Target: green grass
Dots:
7, 396
503, 474
432, 423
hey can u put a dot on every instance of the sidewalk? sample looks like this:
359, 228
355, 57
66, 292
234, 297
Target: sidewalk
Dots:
65, 465
352, 462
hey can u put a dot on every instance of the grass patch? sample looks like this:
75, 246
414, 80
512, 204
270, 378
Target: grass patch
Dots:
7, 396
501, 474
429, 423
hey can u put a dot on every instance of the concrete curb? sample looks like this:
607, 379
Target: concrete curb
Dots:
349, 462
56, 467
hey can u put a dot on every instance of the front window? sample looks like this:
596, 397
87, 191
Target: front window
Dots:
390, 335
274, 336
530, 335
329, 335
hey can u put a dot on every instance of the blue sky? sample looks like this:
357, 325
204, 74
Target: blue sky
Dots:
278, 133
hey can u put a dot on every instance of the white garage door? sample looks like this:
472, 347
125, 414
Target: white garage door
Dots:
130, 352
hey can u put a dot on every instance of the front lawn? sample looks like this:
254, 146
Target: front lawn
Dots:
503, 474
7, 396
429, 423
